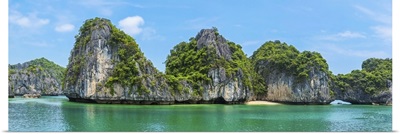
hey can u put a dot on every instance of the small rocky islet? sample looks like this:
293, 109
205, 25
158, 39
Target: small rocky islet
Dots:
107, 66
39, 76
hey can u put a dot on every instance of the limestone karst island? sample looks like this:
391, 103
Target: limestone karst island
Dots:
107, 66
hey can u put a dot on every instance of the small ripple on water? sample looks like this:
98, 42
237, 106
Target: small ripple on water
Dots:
47, 114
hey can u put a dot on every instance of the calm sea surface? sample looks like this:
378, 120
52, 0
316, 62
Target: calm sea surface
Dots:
56, 113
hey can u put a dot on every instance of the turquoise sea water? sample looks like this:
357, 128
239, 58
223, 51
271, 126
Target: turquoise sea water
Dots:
56, 113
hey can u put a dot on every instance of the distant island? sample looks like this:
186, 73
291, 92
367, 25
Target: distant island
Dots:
36, 77
107, 66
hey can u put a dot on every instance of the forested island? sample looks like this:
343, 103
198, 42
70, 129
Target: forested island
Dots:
107, 66
39, 76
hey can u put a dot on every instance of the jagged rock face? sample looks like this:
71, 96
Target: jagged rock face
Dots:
92, 64
371, 85
229, 89
95, 66
290, 76
222, 88
285, 88
96, 60
359, 96
26, 78
208, 37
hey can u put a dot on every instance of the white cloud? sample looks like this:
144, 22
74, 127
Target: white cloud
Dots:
64, 28
27, 21
131, 25
383, 32
343, 35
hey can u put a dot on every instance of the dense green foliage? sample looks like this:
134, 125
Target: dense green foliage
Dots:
188, 63
125, 72
41, 65
277, 56
373, 78
41, 68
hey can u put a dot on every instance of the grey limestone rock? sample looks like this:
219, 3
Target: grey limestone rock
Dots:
30, 77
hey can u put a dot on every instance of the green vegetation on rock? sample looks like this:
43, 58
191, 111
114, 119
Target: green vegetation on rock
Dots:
206, 62
43, 75
373, 78
41, 64
187, 62
126, 65
277, 56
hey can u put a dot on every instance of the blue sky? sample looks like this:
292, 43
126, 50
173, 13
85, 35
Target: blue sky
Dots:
345, 32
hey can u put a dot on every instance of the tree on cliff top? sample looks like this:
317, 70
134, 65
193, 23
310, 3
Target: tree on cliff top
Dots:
125, 71
281, 57
188, 62
374, 77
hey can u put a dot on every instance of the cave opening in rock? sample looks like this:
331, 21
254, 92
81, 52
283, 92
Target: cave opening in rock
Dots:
220, 100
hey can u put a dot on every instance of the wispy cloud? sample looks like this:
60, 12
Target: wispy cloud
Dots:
151, 34
40, 43
342, 36
358, 53
200, 23
27, 21
64, 28
131, 25
380, 17
382, 30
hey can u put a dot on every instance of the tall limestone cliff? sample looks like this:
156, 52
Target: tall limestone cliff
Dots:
107, 66
37, 76
372, 84
209, 69
290, 76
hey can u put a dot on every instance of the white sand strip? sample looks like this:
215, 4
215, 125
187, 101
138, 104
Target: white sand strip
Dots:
262, 103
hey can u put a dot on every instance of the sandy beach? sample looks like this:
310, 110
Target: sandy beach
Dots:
262, 103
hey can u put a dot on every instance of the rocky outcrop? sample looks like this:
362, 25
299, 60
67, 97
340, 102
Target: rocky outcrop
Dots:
92, 66
290, 76
286, 88
107, 66
37, 76
221, 90
211, 37
370, 85
223, 86
357, 95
